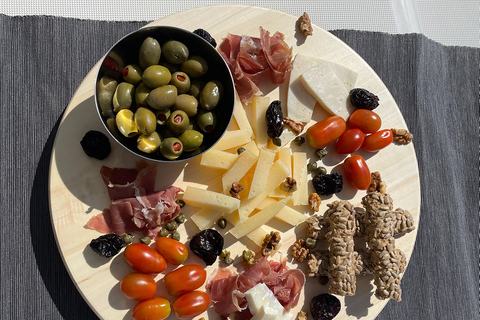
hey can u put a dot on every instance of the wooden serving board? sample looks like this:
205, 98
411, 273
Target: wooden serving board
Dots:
77, 191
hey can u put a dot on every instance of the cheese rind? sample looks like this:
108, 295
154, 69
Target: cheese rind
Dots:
198, 197
322, 83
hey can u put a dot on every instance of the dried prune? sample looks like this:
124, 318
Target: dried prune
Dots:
326, 184
96, 145
325, 307
107, 245
363, 99
205, 35
274, 119
207, 245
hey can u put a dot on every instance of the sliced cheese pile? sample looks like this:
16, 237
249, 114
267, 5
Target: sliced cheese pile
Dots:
315, 80
263, 304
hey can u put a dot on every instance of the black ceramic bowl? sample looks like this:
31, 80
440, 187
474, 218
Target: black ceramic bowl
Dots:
125, 52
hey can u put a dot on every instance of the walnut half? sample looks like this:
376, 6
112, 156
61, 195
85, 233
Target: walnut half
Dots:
314, 201
299, 250
305, 25
235, 190
289, 185
270, 243
402, 136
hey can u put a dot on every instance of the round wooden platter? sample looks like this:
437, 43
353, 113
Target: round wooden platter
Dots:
77, 191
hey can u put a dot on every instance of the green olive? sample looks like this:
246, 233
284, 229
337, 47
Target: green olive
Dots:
191, 140
195, 67
175, 52
196, 86
132, 73
186, 103
156, 76
162, 116
211, 95
126, 123
171, 148
146, 120
149, 143
162, 98
149, 53
206, 120
178, 122
123, 96
106, 87
181, 80
141, 94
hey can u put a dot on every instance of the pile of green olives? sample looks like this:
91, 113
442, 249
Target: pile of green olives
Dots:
163, 100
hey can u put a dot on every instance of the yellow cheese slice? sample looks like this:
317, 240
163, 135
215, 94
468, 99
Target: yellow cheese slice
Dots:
218, 159
232, 139
290, 216
198, 197
241, 116
262, 169
205, 218
239, 168
259, 107
300, 196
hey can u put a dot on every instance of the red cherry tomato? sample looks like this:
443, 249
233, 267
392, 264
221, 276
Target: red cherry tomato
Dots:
365, 120
350, 141
190, 304
325, 131
172, 250
357, 172
155, 308
377, 140
184, 279
144, 259
138, 286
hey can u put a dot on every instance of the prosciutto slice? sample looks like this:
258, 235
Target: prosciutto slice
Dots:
285, 284
135, 205
250, 58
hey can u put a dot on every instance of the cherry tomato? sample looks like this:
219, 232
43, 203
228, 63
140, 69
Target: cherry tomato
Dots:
190, 304
365, 120
357, 172
377, 140
325, 131
350, 141
172, 250
144, 259
184, 279
155, 308
138, 286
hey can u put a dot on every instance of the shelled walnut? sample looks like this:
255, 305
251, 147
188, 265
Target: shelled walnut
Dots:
402, 136
296, 127
270, 243
314, 201
376, 183
235, 190
305, 25
289, 185
299, 250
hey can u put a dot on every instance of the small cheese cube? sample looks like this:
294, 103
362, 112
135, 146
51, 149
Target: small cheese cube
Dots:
259, 108
218, 159
232, 139
300, 197
322, 83
258, 220
264, 164
263, 304
198, 197
239, 168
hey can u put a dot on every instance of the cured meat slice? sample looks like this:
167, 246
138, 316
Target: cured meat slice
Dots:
277, 53
285, 284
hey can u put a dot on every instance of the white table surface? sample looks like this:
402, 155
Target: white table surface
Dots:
446, 21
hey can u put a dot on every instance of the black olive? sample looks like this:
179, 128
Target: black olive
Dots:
107, 245
96, 145
325, 307
363, 99
326, 184
205, 35
207, 245
274, 119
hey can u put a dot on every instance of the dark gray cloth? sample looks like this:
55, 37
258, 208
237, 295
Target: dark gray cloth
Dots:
44, 59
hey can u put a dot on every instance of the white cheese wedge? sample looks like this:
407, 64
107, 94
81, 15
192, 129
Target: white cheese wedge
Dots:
218, 159
202, 198
205, 218
322, 83
278, 173
258, 219
300, 103
264, 305
264, 164
300, 196
259, 107
232, 139
241, 116
239, 168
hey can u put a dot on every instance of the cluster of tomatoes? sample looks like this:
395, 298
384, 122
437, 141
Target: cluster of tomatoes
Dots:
181, 283
363, 132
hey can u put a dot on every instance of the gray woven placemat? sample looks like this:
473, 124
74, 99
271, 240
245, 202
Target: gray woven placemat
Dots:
44, 59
